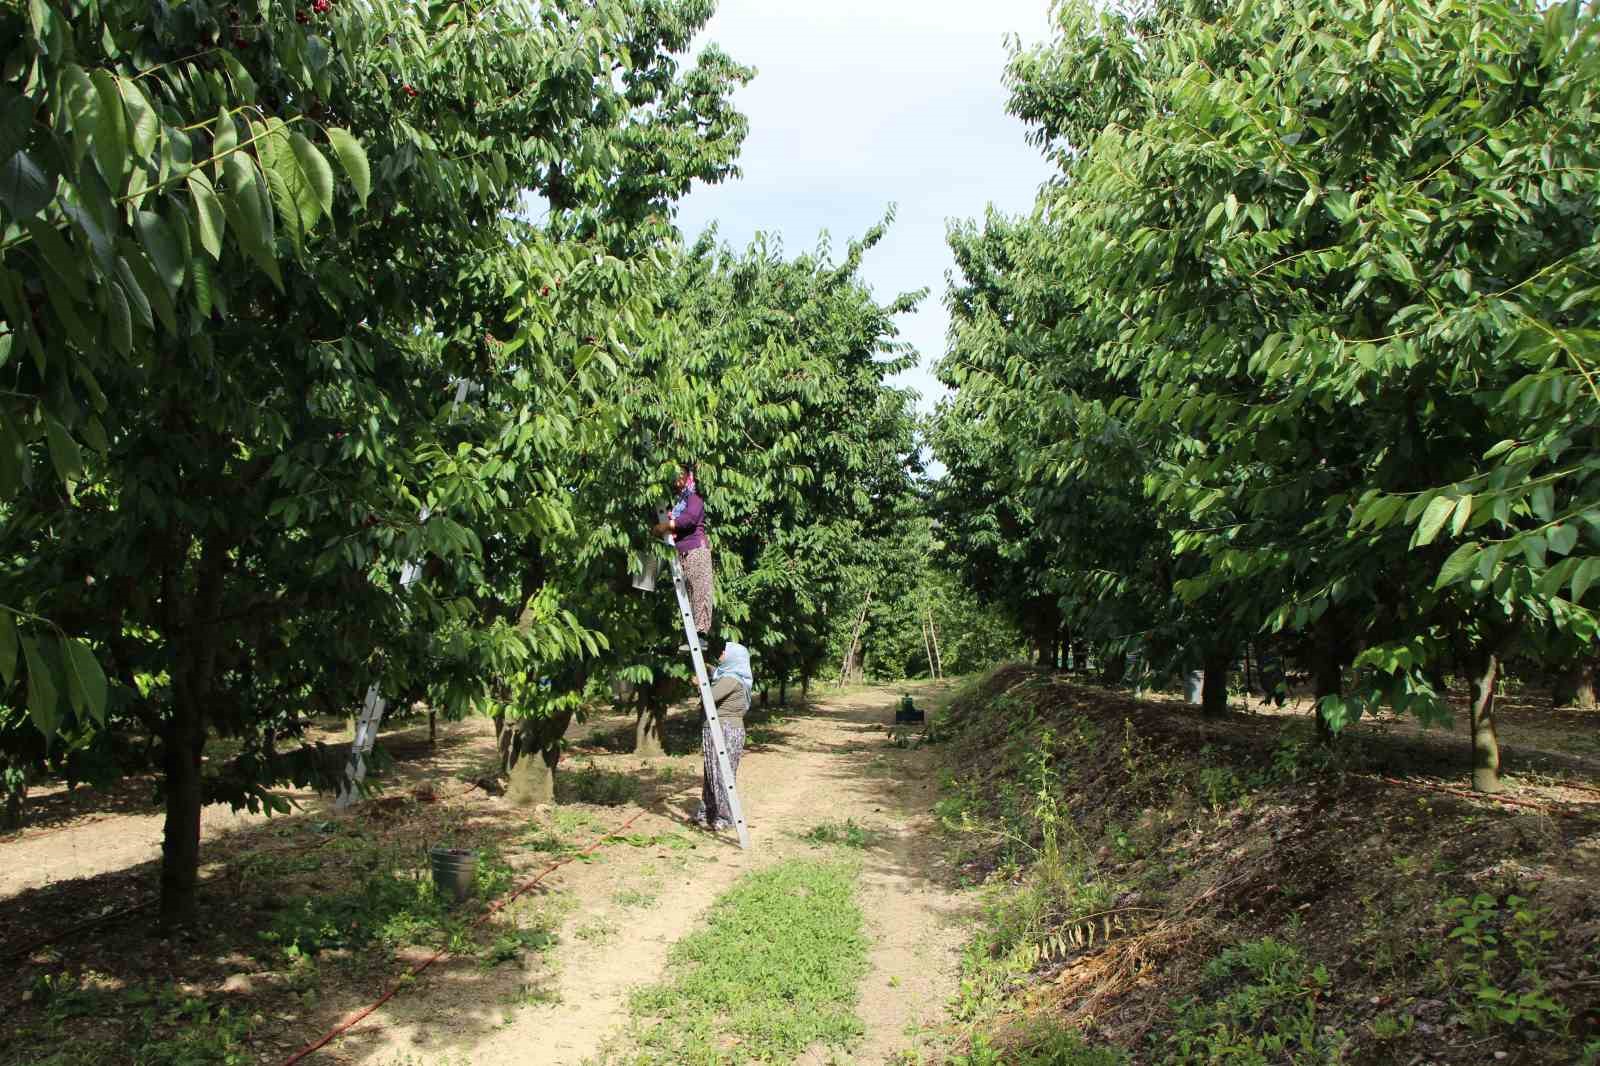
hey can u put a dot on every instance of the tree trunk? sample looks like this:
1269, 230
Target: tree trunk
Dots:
853, 648
651, 718
1485, 741
1113, 669
183, 746
1587, 698
184, 739
1327, 673
433, 727
1214, 695
531, 760
16, 788
502, 737
783, 691
1575, 686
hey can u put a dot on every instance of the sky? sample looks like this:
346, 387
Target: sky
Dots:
860, 104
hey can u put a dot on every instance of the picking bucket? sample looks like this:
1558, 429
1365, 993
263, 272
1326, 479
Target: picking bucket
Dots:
453, 871
644, 578
1194, 686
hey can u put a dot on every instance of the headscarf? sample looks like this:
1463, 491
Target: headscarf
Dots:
736, 663
683, 497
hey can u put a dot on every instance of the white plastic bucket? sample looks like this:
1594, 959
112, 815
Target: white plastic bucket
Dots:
644, 578
1194, 686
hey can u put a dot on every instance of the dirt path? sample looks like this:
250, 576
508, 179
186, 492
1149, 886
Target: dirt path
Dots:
613, 917
830, 763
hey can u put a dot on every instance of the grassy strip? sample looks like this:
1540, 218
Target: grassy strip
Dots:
775, 971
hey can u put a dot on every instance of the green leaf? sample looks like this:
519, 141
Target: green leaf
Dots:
119, 319
65, 454
1550, 584
1463, 512
286, 195
145, 285
15, 466
1544, 503
353, 158
1433, 520
250, 211
209, 218
161, 245
86, 681
1562, 538
80, 100
1584, 577
8, 647
318, 174
224, 141
203, 284
1533, 549
43, 707
298, 207
62, 260
145, 125
16, 118
1458, 566
110, 129
25, 190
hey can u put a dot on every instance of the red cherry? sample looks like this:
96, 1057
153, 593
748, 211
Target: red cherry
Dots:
544, 290
240, 43
301, 17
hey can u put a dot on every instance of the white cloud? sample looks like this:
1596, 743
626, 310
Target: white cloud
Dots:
860, 105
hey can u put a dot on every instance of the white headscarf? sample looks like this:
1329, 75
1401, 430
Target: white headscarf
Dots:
736, 663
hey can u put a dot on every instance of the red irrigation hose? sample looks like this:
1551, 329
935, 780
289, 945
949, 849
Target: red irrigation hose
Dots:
351, 1020
1540, 807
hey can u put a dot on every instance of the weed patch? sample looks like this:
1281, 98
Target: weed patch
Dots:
775, 971
1261, 1007
601, 788
1051, 1048
844, 834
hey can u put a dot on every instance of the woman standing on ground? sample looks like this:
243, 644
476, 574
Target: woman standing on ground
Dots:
730, 690
688, 527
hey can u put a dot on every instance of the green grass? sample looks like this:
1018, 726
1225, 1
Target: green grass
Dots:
775, 971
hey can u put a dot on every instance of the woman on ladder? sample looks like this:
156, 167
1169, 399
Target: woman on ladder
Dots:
688, 526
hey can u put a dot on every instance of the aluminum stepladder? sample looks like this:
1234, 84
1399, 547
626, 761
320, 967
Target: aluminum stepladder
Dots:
718, 741
374, 705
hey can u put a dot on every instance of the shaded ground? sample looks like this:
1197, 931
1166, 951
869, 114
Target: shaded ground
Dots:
310, 916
